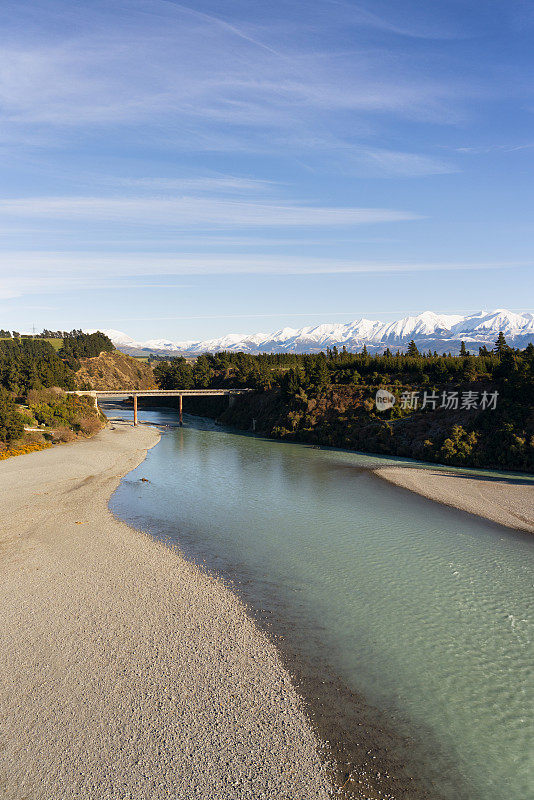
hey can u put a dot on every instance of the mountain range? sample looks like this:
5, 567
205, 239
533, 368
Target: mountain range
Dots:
441, 332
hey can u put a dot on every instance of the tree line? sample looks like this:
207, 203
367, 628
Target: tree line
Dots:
45, 334
329, 398
293, 371
33, 363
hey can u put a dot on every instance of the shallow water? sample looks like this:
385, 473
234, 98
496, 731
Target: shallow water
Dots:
424, 611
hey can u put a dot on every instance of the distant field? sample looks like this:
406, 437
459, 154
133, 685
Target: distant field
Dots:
56, 343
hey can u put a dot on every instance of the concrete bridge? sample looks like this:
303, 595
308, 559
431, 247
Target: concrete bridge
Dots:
180, 393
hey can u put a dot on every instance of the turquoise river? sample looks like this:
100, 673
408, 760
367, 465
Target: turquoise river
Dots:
407, 622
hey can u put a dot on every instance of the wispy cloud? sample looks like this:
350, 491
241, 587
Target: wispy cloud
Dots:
221, 184
185, 211
494, 148
225, 131
422, 23
411, 165
234, 30
150, 66
32, 272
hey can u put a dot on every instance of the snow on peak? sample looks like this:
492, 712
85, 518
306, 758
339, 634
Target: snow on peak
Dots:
508, 322
440, 331
117, 337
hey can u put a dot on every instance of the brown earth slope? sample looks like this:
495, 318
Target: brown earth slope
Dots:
114, 371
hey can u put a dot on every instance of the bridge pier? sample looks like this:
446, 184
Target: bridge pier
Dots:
97, 394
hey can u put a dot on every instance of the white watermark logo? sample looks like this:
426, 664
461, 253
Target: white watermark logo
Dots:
453, 400
384, 400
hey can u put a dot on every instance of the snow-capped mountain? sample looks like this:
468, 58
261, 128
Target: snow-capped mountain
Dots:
441, 332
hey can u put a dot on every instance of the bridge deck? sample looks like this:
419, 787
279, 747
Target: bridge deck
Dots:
158, 392
180, 393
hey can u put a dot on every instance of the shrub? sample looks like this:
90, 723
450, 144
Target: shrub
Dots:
22, 450
34, 437
11, 421
36, 396
64, 434
90, 425
27, 418
459, 446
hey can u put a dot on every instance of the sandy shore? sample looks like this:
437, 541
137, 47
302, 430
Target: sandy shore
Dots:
508, 501
126, 672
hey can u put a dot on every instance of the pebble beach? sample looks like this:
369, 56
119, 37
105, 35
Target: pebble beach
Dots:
126, 671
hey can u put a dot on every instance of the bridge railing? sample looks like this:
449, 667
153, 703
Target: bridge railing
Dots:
157, 392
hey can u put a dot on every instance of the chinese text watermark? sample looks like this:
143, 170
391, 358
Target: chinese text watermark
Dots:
451, 400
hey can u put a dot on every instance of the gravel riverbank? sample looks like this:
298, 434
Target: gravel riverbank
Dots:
507, 501
125, 671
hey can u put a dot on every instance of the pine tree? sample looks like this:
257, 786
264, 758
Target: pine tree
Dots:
469, 370
412, 351
292, 382
500, 345
463, 351
320, 374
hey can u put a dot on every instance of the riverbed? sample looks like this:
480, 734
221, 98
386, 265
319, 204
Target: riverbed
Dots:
408, 625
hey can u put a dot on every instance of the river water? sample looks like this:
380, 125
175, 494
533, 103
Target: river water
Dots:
408, 622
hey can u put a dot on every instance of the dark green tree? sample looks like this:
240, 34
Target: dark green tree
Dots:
292, 383
469, 369
174, 374
11, 422
320, 374
32, 364
500, 345
84, 345
203, 371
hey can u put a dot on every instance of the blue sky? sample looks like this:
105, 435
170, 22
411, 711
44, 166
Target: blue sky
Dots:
189, 170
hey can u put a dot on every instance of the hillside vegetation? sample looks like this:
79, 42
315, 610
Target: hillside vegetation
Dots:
467, 410
35, 410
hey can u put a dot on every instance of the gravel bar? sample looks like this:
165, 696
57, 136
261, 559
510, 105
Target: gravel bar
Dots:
125, 671
506, 501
